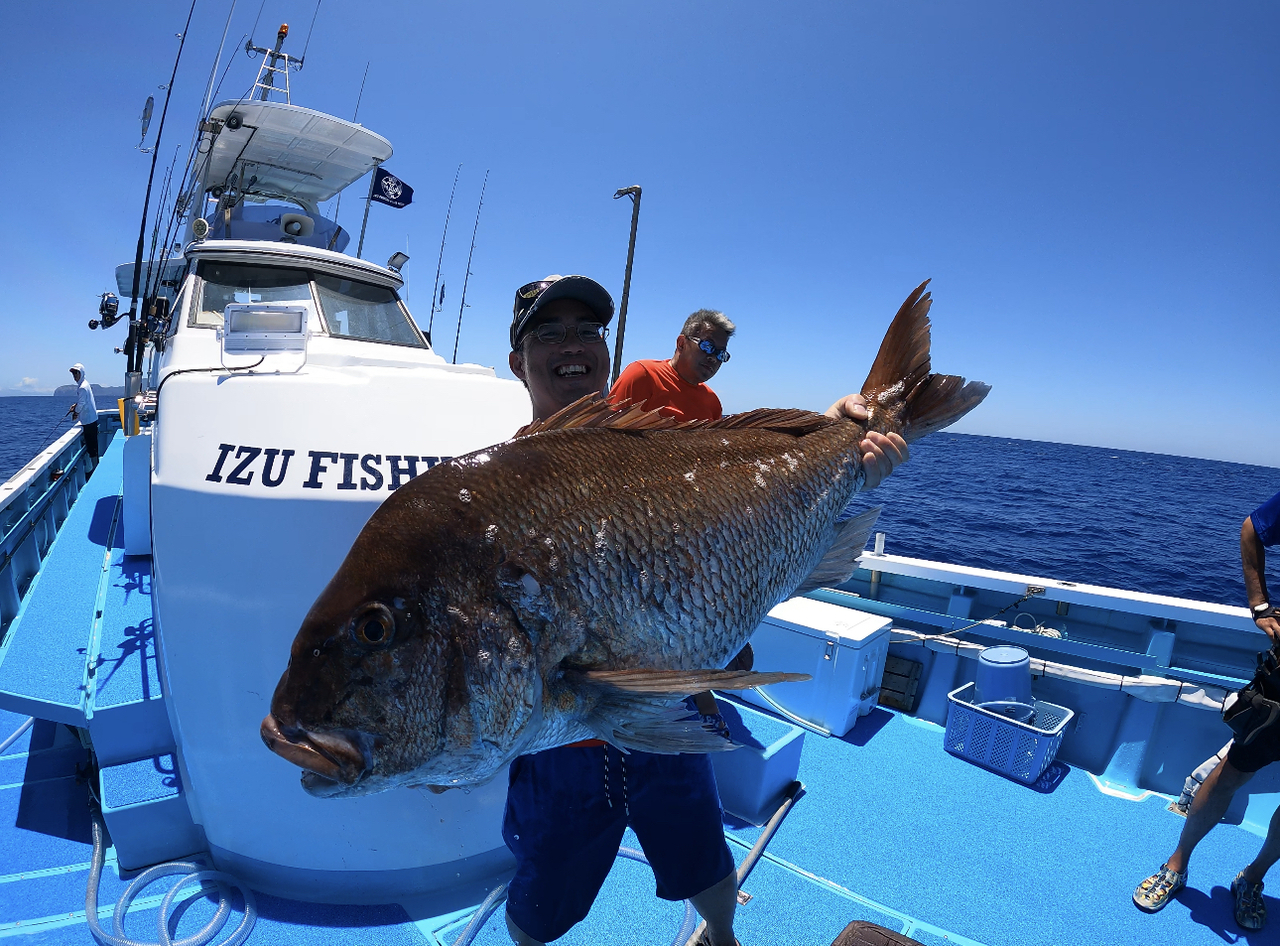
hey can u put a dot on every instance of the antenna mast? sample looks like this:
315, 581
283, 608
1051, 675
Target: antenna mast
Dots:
270, 58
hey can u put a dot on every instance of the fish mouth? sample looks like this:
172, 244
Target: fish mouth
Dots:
340, 757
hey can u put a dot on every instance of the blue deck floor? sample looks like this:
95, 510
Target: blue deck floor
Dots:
892, 829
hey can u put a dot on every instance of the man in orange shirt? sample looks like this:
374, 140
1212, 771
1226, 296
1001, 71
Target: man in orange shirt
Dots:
678, 387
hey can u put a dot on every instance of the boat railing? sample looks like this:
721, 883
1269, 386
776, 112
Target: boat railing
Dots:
34, 503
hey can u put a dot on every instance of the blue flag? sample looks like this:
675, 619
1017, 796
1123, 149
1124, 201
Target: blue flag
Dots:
390, 190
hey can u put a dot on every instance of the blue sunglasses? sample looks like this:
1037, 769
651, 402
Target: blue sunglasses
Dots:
704, 345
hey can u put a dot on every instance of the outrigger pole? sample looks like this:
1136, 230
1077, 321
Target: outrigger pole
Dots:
634, 193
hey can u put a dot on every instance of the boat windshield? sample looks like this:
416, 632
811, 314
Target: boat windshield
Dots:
359, 310
349, 309
227, 283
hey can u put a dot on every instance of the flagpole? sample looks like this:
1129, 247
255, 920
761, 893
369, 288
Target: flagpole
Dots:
367, 201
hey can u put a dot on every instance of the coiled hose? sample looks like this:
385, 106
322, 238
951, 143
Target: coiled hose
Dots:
191, 873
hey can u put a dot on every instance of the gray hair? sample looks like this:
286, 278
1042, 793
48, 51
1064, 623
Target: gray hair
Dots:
711, 318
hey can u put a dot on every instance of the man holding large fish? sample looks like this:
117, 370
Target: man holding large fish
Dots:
562, 821
575, 583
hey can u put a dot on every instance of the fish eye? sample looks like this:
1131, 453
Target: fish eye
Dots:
373, 625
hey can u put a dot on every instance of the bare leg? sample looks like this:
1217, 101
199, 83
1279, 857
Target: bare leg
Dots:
1269, 854
519, 936
716, 905
1210, 804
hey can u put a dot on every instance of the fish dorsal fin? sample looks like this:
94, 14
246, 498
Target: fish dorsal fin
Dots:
782, 420
841, 559
594, 410
597, 411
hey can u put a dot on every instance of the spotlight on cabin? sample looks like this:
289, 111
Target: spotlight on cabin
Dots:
397, 261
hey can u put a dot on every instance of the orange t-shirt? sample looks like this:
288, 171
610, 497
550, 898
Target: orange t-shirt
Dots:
655, 386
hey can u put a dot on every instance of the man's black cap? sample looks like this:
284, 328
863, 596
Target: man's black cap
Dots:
532, 296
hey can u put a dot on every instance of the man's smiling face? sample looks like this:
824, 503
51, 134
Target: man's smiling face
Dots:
559, 373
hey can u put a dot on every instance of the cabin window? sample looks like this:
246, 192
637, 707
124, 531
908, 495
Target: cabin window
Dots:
227, 283
363, 311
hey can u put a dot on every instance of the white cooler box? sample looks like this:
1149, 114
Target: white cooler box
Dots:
842, 649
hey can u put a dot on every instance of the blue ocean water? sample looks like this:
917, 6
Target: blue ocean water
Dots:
1142, 521
27, 426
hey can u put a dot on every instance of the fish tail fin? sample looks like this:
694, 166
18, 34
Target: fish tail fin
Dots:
639, 709
901, 379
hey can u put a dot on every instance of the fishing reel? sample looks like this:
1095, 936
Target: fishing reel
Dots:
108, 309
156, 320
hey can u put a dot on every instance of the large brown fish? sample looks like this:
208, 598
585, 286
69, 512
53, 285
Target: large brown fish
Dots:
574, 581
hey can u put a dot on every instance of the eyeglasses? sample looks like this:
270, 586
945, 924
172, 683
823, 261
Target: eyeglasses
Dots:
704, 345
553, 333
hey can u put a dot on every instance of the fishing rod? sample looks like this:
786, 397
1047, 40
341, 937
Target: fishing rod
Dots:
467, 277
440, 261
146, 202
51, 435
132, 344
307, 45
213, 70
185, 199
356, 114
152, 274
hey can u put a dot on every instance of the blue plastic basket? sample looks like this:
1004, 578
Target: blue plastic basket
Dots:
1021, 751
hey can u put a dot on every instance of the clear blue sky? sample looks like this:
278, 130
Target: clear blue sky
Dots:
1091, 186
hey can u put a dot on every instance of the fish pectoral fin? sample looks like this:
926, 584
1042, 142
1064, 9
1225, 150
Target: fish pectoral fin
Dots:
638, 709
667, 736
841, 559
648, 723
680, 683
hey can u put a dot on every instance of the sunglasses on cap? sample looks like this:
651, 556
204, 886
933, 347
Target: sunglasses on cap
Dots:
528, 294
704, 345
553, 333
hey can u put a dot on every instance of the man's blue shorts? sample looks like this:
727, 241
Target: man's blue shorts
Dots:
566, 812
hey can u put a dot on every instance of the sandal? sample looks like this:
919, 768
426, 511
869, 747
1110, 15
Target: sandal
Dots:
1251, 912
1154, 893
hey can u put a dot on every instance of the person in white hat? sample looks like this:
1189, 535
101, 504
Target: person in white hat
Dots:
86, 411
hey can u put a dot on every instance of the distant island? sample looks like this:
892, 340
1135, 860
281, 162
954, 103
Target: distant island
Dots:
100, 391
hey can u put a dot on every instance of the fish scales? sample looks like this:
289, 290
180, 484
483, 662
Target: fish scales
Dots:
573, 581
758, 535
